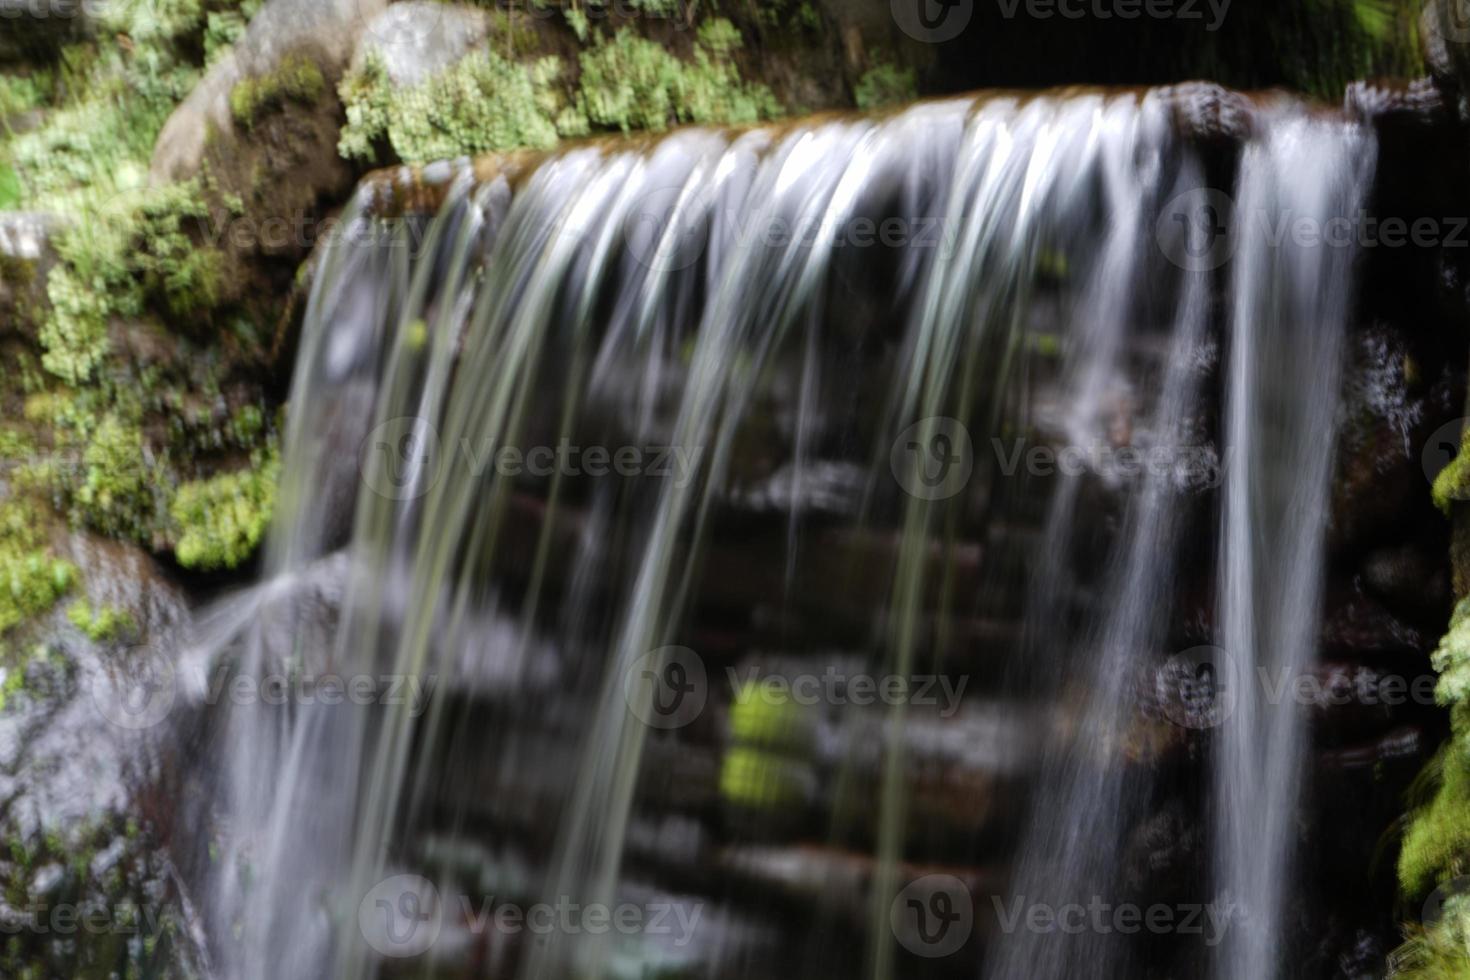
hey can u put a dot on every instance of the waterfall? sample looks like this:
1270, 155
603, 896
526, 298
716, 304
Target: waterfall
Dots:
617, 427
1291, 299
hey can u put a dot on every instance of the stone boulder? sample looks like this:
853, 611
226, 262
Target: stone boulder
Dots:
326, 31
1444, 32
418, 39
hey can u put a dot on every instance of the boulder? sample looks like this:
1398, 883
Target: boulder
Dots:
419, 39
1444, 32
327, 32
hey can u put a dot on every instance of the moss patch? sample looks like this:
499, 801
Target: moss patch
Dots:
224, 518
101, 623
885, 84
487, 103
298, 79
32, 578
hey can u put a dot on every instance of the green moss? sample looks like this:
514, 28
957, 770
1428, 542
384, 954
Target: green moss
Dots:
118, 258
101, 623
1453, 482
758, 779
885, 84
630, 82
9, 187
298, 79
769, 719
1439, 952
487, 103
222, 519
109, 99
116, 495
32, 579
484, 103
1438, 837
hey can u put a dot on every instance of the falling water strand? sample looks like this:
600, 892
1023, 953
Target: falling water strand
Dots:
1290, 303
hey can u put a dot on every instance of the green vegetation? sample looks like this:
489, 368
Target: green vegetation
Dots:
1453, 482
132, 250
765, 765
487, 103
101, 623
298, 79
885, 84
222, 519
631, 82
484, 103
32, 578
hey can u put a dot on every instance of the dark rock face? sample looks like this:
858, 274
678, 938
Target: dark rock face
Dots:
36, 28
86, 887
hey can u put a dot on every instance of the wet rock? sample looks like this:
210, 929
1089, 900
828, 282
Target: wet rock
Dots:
77, 768
1355, 623
1406, 578
418, 39
1444, 33
1402, 743
1210, 112
1379, 479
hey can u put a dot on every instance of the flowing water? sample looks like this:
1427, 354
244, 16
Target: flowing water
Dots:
591, 474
